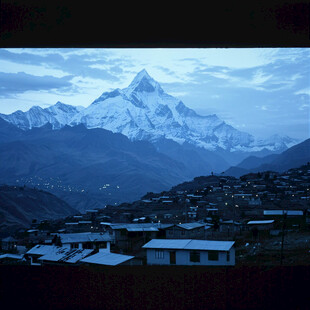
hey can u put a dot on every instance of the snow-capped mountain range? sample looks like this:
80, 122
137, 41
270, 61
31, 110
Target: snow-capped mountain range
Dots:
143, 111
58, 115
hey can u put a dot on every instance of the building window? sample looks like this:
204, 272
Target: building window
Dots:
159, 254
213, 255
228, 256
194, 256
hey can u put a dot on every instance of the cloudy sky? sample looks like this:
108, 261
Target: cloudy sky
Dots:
260, 91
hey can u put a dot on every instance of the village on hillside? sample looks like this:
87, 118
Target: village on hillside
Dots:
259, 219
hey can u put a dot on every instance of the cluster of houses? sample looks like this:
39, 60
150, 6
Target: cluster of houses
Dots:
102, 249
195, 223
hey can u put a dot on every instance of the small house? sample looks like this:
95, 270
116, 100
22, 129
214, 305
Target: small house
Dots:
9, 244
86, 240
293, 218
190, 252
186, 231
129, 236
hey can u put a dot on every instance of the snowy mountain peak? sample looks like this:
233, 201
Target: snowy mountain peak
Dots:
140, 76
143, 82
106, 95
35, 108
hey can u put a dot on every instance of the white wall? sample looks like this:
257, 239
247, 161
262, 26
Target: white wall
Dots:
183, 258
107, 249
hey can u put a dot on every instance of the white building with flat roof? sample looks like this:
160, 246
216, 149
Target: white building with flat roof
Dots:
190, 252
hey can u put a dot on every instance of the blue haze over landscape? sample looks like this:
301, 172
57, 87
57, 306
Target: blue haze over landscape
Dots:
262, 91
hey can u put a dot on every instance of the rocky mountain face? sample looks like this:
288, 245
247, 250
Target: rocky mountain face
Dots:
144, 111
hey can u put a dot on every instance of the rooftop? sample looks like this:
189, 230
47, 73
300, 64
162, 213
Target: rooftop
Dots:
9, 239
85, 237
281, 212
262, 222
141, 226
40, 249
104, 258
12, 256
66, 255
189, 226
189, 244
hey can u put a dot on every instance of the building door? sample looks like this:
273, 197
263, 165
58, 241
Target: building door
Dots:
172, 258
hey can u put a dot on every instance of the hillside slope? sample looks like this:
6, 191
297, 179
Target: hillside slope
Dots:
293, 157
20, 205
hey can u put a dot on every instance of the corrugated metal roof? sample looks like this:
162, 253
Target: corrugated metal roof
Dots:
103, 258
136, 227
273, 212
230, 222
260, 222
189, 244
40, 249
190, 225
67, 255
164, 226
209, 245
84, 237
142, 229
281, 212
166, 244
12, 256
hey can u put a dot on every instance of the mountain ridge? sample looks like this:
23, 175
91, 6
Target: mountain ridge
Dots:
295, 156
143, 111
